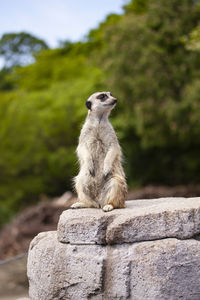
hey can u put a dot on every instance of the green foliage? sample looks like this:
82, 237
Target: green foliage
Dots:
95, 38
136, 6
155, 75
38, 136
6, 81
18, 48
43, 74
146, 59
192, 41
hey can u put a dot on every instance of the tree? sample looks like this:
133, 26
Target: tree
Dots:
136, 6
155, 75
192, 41
18, 49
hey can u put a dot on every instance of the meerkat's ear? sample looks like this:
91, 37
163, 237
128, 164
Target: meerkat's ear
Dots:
88, 104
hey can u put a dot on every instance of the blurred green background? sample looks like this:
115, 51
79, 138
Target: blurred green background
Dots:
148, 57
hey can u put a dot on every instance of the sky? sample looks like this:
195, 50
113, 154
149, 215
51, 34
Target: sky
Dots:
55, 20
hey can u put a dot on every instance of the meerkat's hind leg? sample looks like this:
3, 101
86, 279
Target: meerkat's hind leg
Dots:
114, 193
78, 205
84, 201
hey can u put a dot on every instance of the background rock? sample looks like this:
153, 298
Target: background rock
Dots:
13, 279
16, 236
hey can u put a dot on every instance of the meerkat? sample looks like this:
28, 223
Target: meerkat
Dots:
101, 181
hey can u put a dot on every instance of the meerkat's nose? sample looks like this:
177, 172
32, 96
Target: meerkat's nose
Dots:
115, 100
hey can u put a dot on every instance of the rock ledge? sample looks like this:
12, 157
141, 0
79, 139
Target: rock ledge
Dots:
141, 220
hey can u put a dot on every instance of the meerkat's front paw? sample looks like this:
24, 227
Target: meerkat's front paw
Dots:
108, 207
78, 205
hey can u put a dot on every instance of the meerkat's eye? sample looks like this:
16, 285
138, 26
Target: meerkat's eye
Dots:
102, 97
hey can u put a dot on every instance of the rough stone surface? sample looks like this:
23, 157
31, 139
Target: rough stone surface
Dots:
141, 220
68, 271
167, 269
148, 251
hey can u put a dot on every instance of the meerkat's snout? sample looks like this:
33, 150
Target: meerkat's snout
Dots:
114, 101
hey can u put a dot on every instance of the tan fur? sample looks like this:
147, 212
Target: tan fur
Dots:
101, 180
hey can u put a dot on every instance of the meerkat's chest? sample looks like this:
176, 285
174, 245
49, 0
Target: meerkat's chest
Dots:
99, 142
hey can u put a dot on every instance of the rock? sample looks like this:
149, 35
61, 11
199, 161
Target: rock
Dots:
66, 199
142, 220
148, 251
66, 270
158, 191
156, 270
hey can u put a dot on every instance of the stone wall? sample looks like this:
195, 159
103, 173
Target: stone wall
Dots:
147, 251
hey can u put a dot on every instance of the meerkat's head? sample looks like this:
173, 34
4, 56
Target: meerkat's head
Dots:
101, 102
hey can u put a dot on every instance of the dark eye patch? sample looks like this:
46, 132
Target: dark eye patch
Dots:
102, 97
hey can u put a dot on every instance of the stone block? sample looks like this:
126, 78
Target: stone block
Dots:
141, 220
148, 251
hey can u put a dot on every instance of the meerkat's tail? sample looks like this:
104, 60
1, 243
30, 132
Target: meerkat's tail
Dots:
116, 192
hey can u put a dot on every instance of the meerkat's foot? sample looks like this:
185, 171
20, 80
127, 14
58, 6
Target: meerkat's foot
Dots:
108, 207
78, 205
